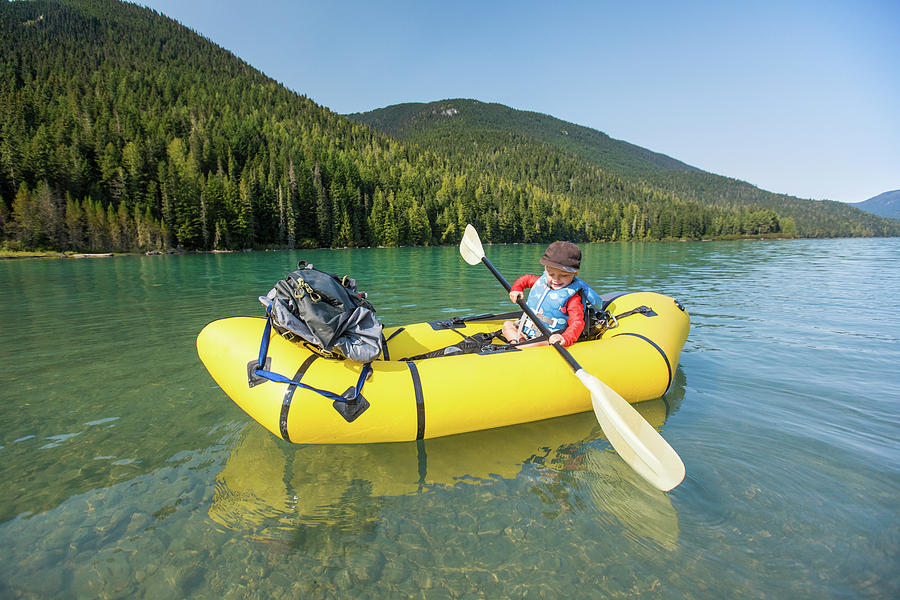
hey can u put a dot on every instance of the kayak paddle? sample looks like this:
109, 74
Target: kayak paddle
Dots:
636, 441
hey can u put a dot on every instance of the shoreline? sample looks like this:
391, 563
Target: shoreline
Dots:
11, 255
17, 255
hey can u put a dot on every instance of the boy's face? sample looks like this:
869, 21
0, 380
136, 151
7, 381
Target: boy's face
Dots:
557, 278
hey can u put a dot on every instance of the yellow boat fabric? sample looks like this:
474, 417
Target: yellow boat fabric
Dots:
443, 396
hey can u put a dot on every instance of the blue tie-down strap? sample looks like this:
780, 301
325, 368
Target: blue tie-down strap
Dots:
350, 404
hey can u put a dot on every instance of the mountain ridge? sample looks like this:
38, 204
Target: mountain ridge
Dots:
455, 125
584, 141
885, 205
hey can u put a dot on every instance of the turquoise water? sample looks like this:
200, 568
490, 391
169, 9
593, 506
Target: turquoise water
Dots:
126, 473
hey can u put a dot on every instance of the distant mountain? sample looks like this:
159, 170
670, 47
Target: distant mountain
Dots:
884, 205
462, 120
502, 140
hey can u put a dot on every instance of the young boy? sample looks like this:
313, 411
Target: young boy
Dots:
554, 298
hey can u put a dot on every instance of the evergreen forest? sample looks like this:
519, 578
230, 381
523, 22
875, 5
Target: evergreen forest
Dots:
123, 131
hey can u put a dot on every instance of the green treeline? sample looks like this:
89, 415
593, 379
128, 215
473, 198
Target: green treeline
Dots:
121, 130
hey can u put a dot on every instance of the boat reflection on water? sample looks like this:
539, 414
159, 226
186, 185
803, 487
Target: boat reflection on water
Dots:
269, 488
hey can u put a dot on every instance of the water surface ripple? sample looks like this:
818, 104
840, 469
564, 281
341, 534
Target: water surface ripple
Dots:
126, 473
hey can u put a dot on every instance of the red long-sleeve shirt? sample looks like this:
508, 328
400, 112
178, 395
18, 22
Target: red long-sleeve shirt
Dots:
574, 309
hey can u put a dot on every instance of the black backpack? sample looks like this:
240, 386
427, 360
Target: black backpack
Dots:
596, 320
326, 311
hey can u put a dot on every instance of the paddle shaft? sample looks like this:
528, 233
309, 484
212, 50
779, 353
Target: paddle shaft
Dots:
534, 318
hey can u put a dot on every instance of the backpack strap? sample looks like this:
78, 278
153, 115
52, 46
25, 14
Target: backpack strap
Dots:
258, 370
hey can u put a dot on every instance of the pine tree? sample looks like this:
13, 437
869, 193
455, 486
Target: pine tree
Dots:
75, 224
25, 225
419, 228
324, 223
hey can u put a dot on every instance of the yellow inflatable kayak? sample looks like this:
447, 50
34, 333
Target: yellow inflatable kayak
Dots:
404, 399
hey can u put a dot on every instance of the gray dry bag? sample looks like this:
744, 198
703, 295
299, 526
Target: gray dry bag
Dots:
326, 311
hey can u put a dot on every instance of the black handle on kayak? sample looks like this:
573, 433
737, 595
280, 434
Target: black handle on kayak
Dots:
534, 319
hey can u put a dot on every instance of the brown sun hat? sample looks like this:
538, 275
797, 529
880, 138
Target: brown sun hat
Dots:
565, 256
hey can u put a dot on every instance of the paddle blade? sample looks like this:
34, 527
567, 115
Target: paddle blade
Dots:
470, 246
636, 441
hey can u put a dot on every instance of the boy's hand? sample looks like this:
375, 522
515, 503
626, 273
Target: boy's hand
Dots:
556, 339
514, 296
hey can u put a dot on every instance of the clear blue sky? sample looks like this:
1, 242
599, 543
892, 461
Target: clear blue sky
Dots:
798, 97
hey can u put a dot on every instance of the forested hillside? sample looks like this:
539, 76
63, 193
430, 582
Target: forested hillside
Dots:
478, 133
456, 124
121, 130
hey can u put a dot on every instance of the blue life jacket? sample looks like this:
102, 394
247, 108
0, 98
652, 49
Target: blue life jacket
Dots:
548, 303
